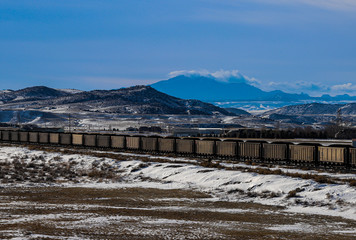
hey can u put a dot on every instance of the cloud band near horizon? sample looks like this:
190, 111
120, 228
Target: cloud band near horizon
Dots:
312, 88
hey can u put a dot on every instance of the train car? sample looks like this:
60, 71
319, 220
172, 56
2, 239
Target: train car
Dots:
24, 137
65, 138
103, 141
273, 151
250, 150
205, 147
77, 139
43, 137
54, 138
133, 143
166, 145
353, 157
332, 155
343, 155
118, 142
5, 135
33, 137
149, 144
14, 135
226, 148
89, 140
302, 153
185, 146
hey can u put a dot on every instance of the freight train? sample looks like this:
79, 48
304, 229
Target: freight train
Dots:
287, 152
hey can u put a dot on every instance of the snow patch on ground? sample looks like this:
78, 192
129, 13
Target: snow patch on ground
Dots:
230, 185
298, 227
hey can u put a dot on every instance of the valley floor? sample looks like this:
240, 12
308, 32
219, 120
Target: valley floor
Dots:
148, 213
58, 193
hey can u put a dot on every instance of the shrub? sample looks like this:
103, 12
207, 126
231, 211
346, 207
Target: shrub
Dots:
96, 174
294, 192
352, 183
210, 164
252, 194
235, 191
274, 194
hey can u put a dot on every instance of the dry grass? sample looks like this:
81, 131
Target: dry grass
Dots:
180, 213
149, 214
352, 182
39, 170
203, 163
294, 192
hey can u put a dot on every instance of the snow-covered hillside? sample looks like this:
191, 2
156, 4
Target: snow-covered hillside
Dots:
133, 100
296, 194
315, 109
31, 93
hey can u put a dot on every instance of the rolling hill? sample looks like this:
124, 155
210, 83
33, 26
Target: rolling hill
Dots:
133, 100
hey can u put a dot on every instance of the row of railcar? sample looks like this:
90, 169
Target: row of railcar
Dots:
287, 152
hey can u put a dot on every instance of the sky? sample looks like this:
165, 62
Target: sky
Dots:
293, 45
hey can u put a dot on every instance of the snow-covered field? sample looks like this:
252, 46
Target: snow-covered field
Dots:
28, 169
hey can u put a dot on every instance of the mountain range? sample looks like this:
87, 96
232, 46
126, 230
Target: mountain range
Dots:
48, 104
316, 109
31, 93
313, 113
133, 100
210, 89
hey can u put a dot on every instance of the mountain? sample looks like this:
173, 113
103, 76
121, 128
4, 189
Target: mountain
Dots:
206, 89
344, 97
31, 94
70, 90
278, 95
209, 89
312, 113
307, 109
133, 100
238, 111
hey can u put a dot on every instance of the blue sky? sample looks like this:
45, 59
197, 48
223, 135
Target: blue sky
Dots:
293, 45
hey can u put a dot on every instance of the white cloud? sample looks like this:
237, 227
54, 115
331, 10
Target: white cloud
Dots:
204, 73
347, 87
315, 89
231, 76
298, 87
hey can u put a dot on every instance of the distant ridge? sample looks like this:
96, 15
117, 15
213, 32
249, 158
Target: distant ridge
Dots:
31, 94
315, 109
133, 100
312, 113
205, 89
210, 89
137, 100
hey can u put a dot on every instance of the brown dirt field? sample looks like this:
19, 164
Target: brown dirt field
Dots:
137, 213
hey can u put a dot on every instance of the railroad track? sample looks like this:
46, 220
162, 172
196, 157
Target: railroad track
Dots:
296, 152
